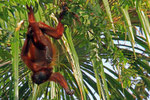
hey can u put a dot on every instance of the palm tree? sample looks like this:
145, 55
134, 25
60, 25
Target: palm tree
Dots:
104, 56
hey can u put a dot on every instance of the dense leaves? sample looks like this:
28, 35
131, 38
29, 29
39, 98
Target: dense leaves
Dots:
105, 55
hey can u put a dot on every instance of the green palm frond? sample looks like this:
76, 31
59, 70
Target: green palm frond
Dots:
104, 56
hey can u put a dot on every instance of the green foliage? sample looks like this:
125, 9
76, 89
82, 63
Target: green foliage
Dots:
96, 54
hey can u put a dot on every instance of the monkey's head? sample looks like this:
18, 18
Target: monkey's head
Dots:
41, 76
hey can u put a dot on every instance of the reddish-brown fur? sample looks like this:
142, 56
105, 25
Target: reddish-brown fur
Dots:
38, 53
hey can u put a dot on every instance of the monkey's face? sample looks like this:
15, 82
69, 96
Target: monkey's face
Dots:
40, 76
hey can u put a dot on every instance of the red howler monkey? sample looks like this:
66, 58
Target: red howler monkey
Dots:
38, 52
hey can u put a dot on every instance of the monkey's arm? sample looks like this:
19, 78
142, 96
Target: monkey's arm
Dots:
58, 78
53, 32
